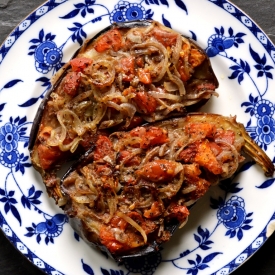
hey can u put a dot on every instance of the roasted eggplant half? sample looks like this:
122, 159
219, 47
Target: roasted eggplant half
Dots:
127, 74
130, 192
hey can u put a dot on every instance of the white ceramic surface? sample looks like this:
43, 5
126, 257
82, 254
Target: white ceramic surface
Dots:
228, 225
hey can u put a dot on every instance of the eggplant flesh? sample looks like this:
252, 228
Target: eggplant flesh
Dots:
128, 74
131, 191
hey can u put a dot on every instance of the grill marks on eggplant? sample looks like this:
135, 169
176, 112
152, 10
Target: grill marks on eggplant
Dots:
129, 193
130, 73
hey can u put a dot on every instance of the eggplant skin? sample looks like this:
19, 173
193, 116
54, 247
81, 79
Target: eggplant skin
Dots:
79, 92
129, 193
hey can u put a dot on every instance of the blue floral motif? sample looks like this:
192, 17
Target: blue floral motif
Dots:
264, 108
82, 8
266, 130
231, 213
263, 69
125, 11
263, 130
10, 84
46, 53
9, 137
11, 133
87, 268
32, 198
200, 264
219, 43
9, 201
51, 228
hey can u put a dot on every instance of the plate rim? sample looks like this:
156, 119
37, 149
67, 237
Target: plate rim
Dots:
51, 4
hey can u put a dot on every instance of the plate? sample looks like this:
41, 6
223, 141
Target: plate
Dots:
228, 225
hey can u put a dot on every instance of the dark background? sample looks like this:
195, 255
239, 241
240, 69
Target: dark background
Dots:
11, 13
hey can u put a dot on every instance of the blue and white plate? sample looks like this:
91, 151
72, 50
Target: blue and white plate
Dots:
228, 225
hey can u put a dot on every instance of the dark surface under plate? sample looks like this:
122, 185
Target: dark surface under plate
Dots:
11, 13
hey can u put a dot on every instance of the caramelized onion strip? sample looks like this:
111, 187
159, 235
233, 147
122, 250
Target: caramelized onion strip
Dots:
134, 224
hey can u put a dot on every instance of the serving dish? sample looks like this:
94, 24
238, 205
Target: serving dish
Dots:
231, 227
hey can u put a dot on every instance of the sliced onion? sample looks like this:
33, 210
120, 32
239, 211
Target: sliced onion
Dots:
170, 86
69, 117
133, 153
79, 98
189, 203
110, 123
134, 35
166, 96
128, 110
176, 50
234, 164
98, 114
183, 223
177, 81
58, 135
160, 69
134, 224
112, 204
172, 189
72, 146
82, 199
102, 73
149, 155
188, 189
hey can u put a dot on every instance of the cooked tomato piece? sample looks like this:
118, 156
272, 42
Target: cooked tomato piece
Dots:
159, 170
164, 37
196, 57
156, 136
147, 226
151, 136
108, 239
179, 212
183, 70
118, 222
187, 155
47, 155
104, 147
44, 134
200, 130
191, 174
192, 171
110, 40
135, 122
206, 158
225, 135
132, 161
146, 103
156, 210
80, 63
144, 76
127, 66
216, 149
72, 82
140, 61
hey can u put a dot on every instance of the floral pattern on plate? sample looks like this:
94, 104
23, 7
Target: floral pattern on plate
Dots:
238, 62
